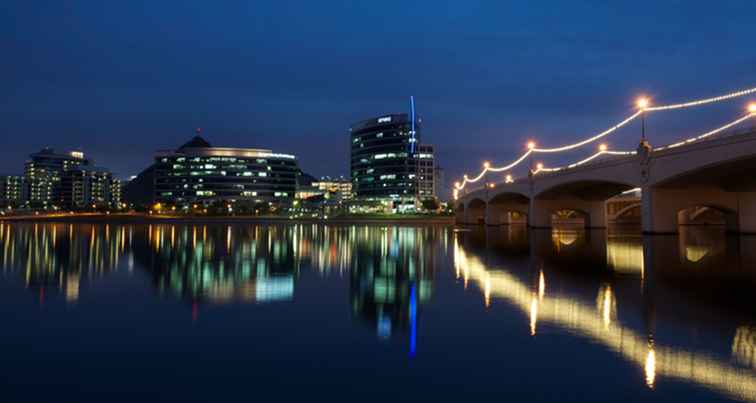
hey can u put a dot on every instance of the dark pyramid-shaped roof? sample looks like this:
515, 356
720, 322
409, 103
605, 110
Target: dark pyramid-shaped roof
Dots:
196, 142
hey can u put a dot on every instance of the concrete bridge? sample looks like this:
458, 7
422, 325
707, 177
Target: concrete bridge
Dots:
717, 173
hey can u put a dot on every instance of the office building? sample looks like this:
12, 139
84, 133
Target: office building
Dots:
383, 159
198, 173
43, 173
87, 186
340, 187
11, 191
426, 180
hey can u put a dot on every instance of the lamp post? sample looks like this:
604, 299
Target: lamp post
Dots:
642, 105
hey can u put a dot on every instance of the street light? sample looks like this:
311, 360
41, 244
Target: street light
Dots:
486, 164
752, 107
643, 103
602, 147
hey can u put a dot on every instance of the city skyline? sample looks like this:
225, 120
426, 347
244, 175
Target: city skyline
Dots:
291, 78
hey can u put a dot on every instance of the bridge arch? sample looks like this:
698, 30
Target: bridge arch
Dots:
507, 208
629, 211
475, 211
587, 197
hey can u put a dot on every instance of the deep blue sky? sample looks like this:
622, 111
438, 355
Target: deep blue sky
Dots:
122, 79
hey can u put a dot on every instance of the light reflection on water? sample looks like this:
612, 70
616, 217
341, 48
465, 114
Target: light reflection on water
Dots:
676, 308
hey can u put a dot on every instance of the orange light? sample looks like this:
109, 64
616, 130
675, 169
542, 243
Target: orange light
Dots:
642, 102
602, 147
492, 185
486, 164
531, 145
539, 166
752, 107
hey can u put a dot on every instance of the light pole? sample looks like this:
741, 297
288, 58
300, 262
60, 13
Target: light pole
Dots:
642, 105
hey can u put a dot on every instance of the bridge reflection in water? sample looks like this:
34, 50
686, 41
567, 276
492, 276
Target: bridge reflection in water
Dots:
639, 297
654, 264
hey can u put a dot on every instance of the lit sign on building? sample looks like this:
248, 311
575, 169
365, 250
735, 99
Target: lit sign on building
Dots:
385, 119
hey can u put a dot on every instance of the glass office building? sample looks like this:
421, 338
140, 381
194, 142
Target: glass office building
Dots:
43, 173
198, 173
383, 158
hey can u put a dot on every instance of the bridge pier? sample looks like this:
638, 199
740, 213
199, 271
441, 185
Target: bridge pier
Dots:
661, 208
747, 212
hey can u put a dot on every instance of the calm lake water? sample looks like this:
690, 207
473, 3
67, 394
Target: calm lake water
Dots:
362, 313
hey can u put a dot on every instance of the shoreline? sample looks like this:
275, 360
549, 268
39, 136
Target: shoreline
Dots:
130, 218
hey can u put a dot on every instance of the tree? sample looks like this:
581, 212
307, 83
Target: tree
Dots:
430, 204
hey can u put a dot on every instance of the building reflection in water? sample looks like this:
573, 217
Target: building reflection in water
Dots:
390, 269
53, 258
392, 275
219, 263
653, 265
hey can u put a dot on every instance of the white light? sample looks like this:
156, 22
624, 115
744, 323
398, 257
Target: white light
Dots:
602, 147
643, 105
486, 164
703, 101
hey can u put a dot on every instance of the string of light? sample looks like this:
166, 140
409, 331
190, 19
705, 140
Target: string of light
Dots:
642, 108
590, 139
709, 133
703, 101
602, 151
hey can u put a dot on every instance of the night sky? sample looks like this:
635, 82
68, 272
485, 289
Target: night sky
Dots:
120, 80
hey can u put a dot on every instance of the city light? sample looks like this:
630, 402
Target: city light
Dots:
486, 164
602, 147
643, 104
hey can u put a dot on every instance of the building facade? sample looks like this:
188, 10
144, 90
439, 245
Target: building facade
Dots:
198, 173
87, 187
11, 191
43, 173
426, 179
341, 186
383, 158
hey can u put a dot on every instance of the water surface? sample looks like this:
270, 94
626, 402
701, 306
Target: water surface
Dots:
94, 312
